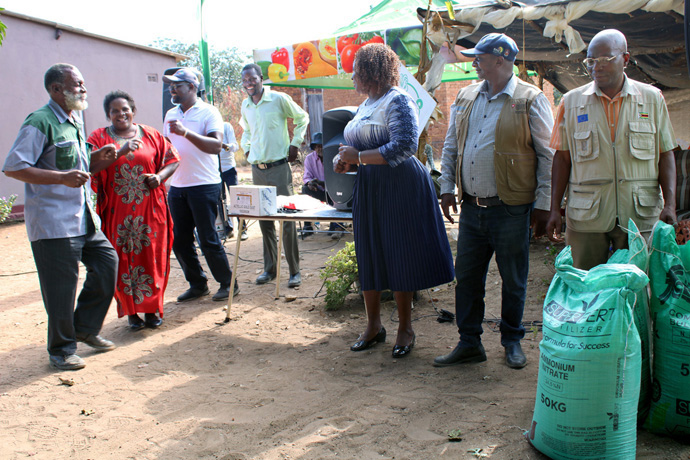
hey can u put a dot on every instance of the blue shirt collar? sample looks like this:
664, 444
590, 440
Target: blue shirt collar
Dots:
508, 89
61, 115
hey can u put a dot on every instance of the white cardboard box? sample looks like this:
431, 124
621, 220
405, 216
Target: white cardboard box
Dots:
253, 200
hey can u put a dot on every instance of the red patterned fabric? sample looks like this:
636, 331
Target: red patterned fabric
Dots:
136, 220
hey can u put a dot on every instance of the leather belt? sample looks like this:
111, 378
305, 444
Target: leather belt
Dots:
482, 202
270, 165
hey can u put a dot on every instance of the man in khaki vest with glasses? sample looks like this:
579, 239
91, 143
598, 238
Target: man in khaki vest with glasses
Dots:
613, 141
496, 152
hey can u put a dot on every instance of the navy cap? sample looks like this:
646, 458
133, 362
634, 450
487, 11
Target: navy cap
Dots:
495, 44
317, 138
183, 74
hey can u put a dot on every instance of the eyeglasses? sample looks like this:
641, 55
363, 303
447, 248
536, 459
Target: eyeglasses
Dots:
176, 86
604, 60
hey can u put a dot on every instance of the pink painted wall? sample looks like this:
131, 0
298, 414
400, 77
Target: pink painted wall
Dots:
30, 48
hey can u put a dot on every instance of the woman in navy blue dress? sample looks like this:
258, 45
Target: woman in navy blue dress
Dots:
400, 238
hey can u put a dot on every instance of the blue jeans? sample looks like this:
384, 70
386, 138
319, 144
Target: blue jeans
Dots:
57, 261
503, 230
192, 207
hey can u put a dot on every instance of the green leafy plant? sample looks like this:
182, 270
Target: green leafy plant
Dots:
6, 207
339, 276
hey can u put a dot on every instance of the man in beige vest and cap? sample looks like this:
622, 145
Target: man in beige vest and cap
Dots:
496, 152
613, 141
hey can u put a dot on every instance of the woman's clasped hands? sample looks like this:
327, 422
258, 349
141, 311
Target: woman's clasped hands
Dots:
346, 160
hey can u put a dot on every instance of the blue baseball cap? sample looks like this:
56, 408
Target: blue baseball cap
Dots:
495, 44
183, 74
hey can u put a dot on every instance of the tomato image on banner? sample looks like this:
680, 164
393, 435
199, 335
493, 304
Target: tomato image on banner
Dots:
348, 45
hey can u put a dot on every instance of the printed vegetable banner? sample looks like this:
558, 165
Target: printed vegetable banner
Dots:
334, 55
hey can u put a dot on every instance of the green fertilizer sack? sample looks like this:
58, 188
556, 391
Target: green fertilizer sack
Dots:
670, 304
589, 366
638, 255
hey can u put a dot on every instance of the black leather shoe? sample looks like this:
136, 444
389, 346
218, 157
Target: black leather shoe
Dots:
222, 294
152, 321
362, 345
515, 358
191, 294
265, 277
96, 341
67, 363
295, 280
400, 351
461, 355
135, 323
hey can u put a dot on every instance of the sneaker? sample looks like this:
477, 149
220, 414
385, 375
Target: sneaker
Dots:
96, 341
244, 236
67, 363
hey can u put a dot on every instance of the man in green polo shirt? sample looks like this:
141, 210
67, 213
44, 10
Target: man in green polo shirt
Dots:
51, 157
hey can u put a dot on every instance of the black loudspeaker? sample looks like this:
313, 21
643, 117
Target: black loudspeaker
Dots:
338, 186
167, 100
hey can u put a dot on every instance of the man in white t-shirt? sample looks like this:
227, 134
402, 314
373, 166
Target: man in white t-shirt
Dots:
195, 128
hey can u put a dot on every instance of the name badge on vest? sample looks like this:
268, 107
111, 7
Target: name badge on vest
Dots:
519, 106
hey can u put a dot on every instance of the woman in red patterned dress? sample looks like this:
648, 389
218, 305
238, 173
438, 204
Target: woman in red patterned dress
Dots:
133, 207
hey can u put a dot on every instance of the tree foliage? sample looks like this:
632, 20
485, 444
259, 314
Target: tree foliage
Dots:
3, 28
226, 64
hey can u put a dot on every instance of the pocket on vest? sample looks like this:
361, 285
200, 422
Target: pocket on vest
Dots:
583, 206
647, 202
642, 136
586, 145
520, 171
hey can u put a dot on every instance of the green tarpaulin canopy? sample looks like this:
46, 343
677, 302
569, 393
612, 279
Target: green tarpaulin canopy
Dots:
398, 22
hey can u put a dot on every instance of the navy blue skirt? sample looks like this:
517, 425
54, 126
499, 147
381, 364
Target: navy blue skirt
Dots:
400, 238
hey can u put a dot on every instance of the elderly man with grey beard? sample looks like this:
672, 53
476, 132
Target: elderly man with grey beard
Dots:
50, 155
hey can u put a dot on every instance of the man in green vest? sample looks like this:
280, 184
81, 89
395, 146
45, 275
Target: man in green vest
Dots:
613, 141
496, 152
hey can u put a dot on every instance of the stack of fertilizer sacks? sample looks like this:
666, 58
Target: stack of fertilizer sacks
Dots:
597, 379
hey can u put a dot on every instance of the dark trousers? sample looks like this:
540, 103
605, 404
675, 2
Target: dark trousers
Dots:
197, 207
503, 230
318, 194
230, 178
281, 177
57, 261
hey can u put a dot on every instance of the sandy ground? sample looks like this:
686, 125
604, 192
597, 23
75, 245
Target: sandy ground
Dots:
277, 382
